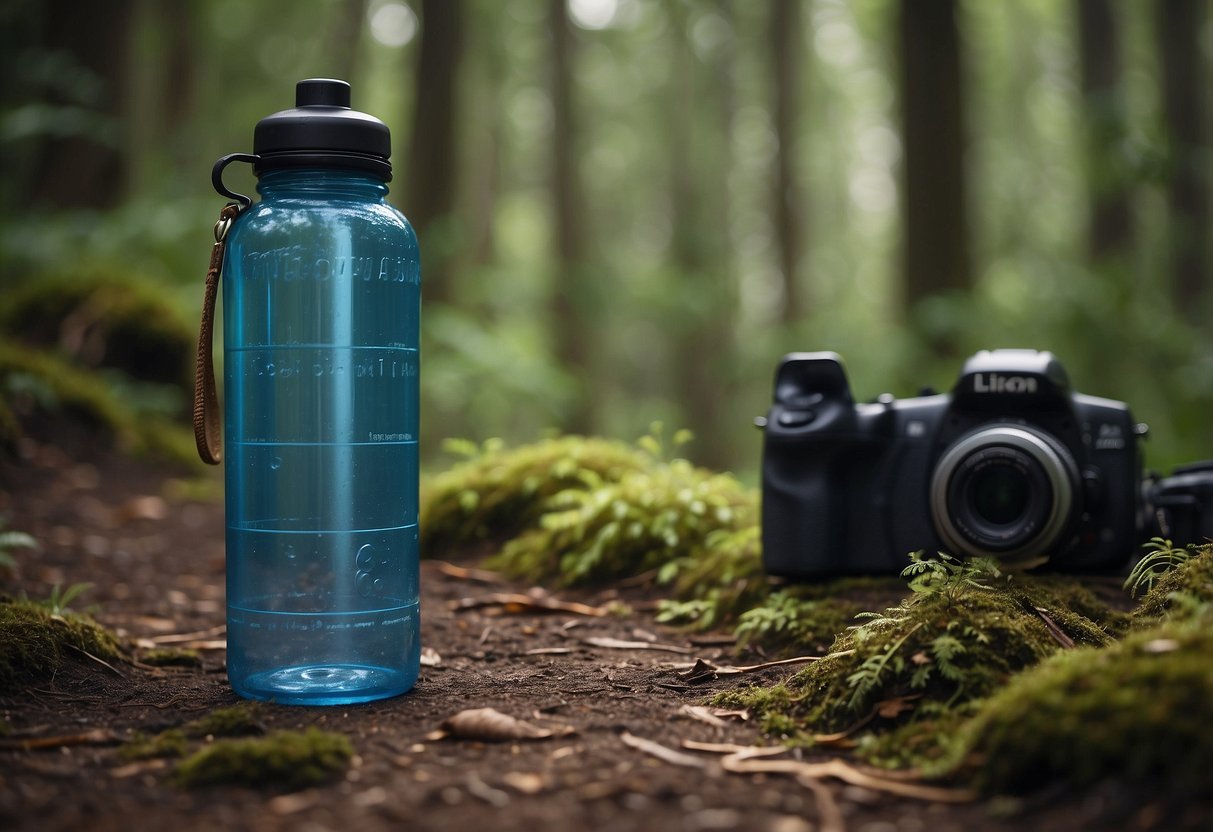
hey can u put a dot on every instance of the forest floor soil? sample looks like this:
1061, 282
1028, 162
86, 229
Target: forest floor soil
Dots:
155, 560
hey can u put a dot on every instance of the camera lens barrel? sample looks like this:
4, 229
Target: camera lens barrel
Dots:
1004, 491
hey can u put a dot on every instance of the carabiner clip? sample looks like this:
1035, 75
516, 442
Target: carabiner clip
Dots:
217, 176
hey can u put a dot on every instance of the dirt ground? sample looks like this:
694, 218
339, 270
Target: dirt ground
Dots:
155, 560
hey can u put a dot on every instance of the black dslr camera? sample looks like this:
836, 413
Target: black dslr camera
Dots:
1011, 464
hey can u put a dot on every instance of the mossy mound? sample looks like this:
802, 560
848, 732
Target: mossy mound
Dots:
285, 759
37, 384
104, 320
1180, 590
37, 642
960, 636
575, 510
1138, 709
497, 491
670, 513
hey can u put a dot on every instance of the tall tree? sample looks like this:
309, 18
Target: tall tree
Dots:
1186, 113
936, 224
572, 326
344, 38
701, 124
433, 157
785, 37
1110, 230
87, 44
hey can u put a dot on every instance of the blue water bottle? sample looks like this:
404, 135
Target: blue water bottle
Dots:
321, 304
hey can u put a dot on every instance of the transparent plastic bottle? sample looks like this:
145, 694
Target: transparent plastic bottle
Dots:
321, 297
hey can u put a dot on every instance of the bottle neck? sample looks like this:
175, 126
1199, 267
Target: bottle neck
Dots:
326, 183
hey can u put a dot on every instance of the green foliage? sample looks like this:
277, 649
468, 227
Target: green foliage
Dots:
37, 639
1161, 555
13, 539
784, 620
578, 510
282, 759
1135, 710
1181, 591
600, 530
102, 320
497, 491
947, 575
36, 383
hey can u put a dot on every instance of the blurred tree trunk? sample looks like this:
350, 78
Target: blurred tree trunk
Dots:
1186, 111
786, 38
702, 112
572, 326
489, 117
87, 167
344, 41
1110, 230
433, 157
936, 223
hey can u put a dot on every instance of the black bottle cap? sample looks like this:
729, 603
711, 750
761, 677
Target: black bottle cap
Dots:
322, 131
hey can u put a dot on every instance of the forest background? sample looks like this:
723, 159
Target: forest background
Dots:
630, 209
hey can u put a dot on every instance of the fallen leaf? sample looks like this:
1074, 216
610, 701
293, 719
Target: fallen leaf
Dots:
524, 781
491, 725
150, 507
894, 707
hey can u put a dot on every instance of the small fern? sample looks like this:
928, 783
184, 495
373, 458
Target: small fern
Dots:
10, 540
1161, 556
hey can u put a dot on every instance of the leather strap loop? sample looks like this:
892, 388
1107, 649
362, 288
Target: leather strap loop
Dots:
208, 430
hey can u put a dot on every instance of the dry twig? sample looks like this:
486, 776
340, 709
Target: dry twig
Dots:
514, 602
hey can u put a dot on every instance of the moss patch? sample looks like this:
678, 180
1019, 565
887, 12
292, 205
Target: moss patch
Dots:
171, 657
286, 759
36, 642
960, 636
497, 491
582, 511
1140, 708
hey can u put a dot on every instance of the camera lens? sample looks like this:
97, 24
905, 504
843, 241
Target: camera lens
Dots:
999, 495
1004, 491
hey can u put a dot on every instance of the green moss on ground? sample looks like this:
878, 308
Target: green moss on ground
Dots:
170, 743
578, 510
239, 720
285, 759
1137, 709
36, 642
962, 633
171, 657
